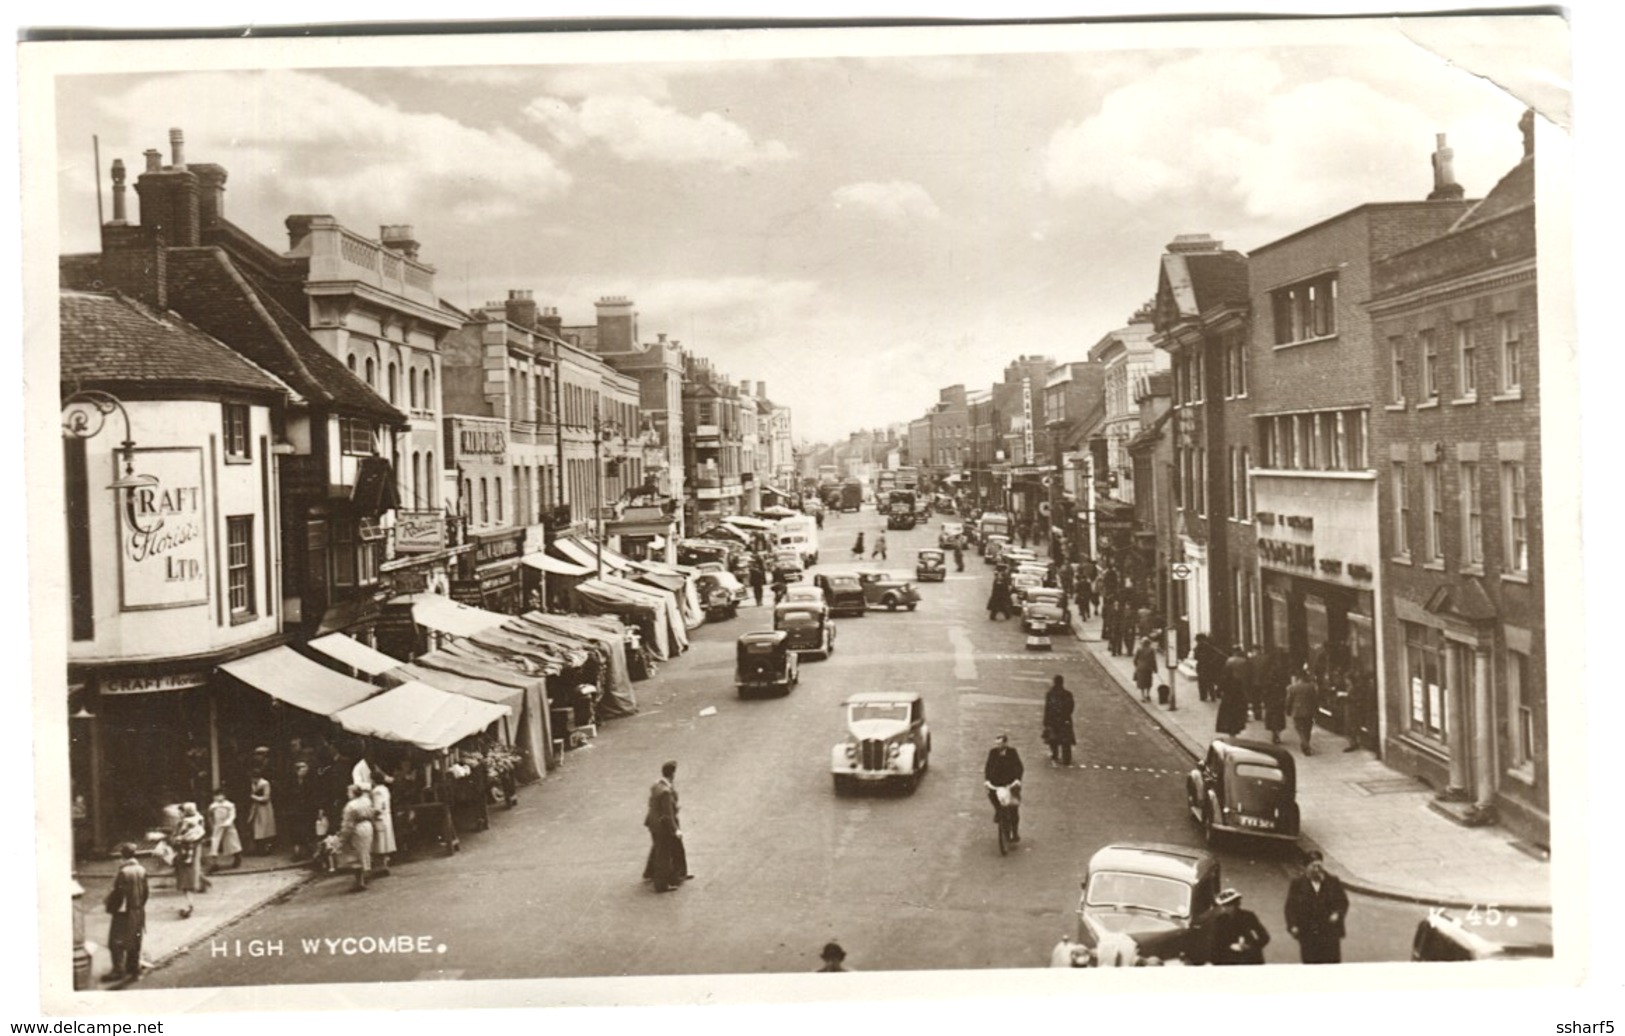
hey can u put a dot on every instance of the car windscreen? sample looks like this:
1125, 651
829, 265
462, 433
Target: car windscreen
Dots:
798, 620
878, 710
1143, 891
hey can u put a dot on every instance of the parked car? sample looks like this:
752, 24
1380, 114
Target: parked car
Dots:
992, 545
804, 593
1482, 934
809, 626
721, 593
1044, 610
949, 534
843, 592
699, 551
1245, 788
764, 661
1014, 556
931, 566
888, 590
887, 740
1020, 583
1152, 893
787, 564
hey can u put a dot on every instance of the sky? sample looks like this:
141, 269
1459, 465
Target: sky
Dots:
855, 225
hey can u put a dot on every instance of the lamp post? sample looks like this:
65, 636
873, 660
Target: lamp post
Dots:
601, 430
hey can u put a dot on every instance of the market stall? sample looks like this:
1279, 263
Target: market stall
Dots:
605, 635
596, 597
534, 737
670, 610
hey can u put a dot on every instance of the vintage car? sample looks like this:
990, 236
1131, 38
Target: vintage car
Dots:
1020, 583
949, 534
888, 590
1152, 893
843, 592
809, 626
720, 592
1014, 556
1044, 611
804, 593
899, 516
931, 566
765, 662
887, 740
787, 565
700, 551
1482, 933
1245, 788
992, 545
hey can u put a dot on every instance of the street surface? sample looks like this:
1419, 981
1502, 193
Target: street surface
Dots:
781, 864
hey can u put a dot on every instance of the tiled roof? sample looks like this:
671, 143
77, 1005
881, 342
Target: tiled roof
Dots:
208, 289
1200, 280
110, 338
1514, 191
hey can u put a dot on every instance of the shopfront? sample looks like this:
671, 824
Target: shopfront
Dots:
1317, 559
488, 576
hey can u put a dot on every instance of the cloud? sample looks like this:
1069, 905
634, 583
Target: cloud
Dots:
581, 81
899, 200
339, 148
639, 129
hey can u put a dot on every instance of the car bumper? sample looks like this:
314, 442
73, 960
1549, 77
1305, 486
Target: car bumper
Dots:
1256, 832
868, 775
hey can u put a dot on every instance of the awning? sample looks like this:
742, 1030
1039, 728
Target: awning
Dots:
288, 676
576, 552
511, 698
356, 655
548, 563
445, 615
417, 714
745, 522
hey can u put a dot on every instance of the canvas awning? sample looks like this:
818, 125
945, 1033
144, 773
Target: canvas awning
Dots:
576, 552
417, 714
444, 615
288, 676
358, 656
557, 566
511, 698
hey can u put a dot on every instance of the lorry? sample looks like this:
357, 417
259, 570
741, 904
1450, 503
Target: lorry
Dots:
799, 533
992, 524
851, 495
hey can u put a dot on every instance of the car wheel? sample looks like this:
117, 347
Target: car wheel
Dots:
891, 604
910, 783
913, 605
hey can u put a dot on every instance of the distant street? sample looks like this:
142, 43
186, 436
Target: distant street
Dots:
782, 864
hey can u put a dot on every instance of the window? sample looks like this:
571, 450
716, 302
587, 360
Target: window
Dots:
1424, 663
344, 553
499, 499
1433, 509
235, 433
1305, 310
1466, 363
1430, 364
371, 370
1198, 378
1199, 477
431, 477
1472, 516
1396, 369
240, 565
429, 402
1520, 714
394, 383
1515, 520
355, 438
485, 502
1360, 441
1511, 353
1241, 488
1402, 511
467, 507
412, 388
415, 490
349, 361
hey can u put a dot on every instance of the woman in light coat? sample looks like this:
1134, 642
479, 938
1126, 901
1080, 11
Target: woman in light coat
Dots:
261, 814
383, 825
223, 838
355, 829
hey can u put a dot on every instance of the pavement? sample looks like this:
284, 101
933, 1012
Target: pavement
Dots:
1373, 823
258, 882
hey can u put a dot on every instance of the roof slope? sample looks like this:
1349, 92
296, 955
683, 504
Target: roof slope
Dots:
1200, 281
1514, 191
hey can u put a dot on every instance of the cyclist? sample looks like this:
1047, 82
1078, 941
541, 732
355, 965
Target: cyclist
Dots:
1004, 770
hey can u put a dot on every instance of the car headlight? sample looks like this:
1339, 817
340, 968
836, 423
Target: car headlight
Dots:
892, 751
851, 749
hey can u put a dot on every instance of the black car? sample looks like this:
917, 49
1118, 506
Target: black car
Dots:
1244, 788
843, 592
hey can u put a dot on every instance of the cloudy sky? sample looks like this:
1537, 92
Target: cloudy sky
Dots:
854, 225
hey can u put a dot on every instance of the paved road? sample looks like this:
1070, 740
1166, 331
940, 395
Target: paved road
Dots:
782, 864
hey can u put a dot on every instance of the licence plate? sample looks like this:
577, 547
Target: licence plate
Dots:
1255, 822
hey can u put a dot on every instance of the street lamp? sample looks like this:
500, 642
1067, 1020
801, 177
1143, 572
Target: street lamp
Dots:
85, 413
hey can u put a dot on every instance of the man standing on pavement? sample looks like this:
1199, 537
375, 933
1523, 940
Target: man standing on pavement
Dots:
127, 902
1210, 659
1300, 706
758, 578
1316, 906
1058, 706
1238, 936
1234, 692
668, 859
1145, 668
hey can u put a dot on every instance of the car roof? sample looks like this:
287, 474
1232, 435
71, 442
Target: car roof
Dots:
930, 550
759, 636
1178, 862
882, 698
1264, 753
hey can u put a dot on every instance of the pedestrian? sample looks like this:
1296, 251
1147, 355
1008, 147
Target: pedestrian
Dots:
1276, 678
223, 837
1238, 937
1300, 705
383, 825
261, 814
959, 553
1316, 906
1257, 675
880, 546
190, 835
1002, 770
1233, 694
834, 957
999, 604
299, 805
127, 902
780, 587
857, 548
1058, 734
667, 867
758, 579
1123, 627
1210, 659
1145, 668
1066, 575
355, 830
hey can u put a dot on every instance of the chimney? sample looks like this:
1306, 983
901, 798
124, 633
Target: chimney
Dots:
211, 198
550, 322
397, 237
1445, 187
169, 196
135, 261
119, 216
1189, 244
761, 389
744, 386
617, 324
177, 148
521, 309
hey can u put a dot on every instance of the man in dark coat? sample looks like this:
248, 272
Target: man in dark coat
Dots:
127, 902
1145, 668
998, 601
1058, 706
1210, 659
1238, 937
758, 578
1276, 678
668, 859
1003, 769
1316, 907
1234, 691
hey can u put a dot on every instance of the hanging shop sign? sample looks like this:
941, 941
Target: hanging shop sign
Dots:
163, 532
419, 532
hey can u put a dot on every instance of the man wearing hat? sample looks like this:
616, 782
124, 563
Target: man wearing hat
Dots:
1238, 936
127, 902
834, 957
1316, 907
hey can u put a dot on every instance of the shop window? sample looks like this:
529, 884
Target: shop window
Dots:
1466, 362
1511, 335
1305, 310
1515, 518
1433, 511
1402, 511
1520, 715
1472, 516
235, 436
1430, 364
240, 566
356, 438
1424, 675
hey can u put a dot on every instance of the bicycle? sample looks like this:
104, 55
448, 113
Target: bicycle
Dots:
1007, 812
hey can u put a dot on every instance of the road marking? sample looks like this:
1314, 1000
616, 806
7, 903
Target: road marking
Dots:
964, 653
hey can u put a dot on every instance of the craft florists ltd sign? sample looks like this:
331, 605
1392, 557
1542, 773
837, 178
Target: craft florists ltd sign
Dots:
163, 532
151, 684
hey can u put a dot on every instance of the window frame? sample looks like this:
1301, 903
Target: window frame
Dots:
1510, 338
1432, 512
233, 451
1471, 493
1466, 362
1428, 350
1400, 483
1396, 370
240, 568
352, 430
1514, 519
1305, 310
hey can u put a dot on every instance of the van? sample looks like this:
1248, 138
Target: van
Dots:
799, 533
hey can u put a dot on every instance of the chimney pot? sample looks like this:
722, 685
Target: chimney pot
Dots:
1445, 187
118, 191
177, 148
155, 159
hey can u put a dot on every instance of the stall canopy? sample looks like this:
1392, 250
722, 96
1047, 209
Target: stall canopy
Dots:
557, 566
595, 596
417, 714
288, 676
511, 698
671, 606
444, 615
608, 636
578, 552
358, 656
